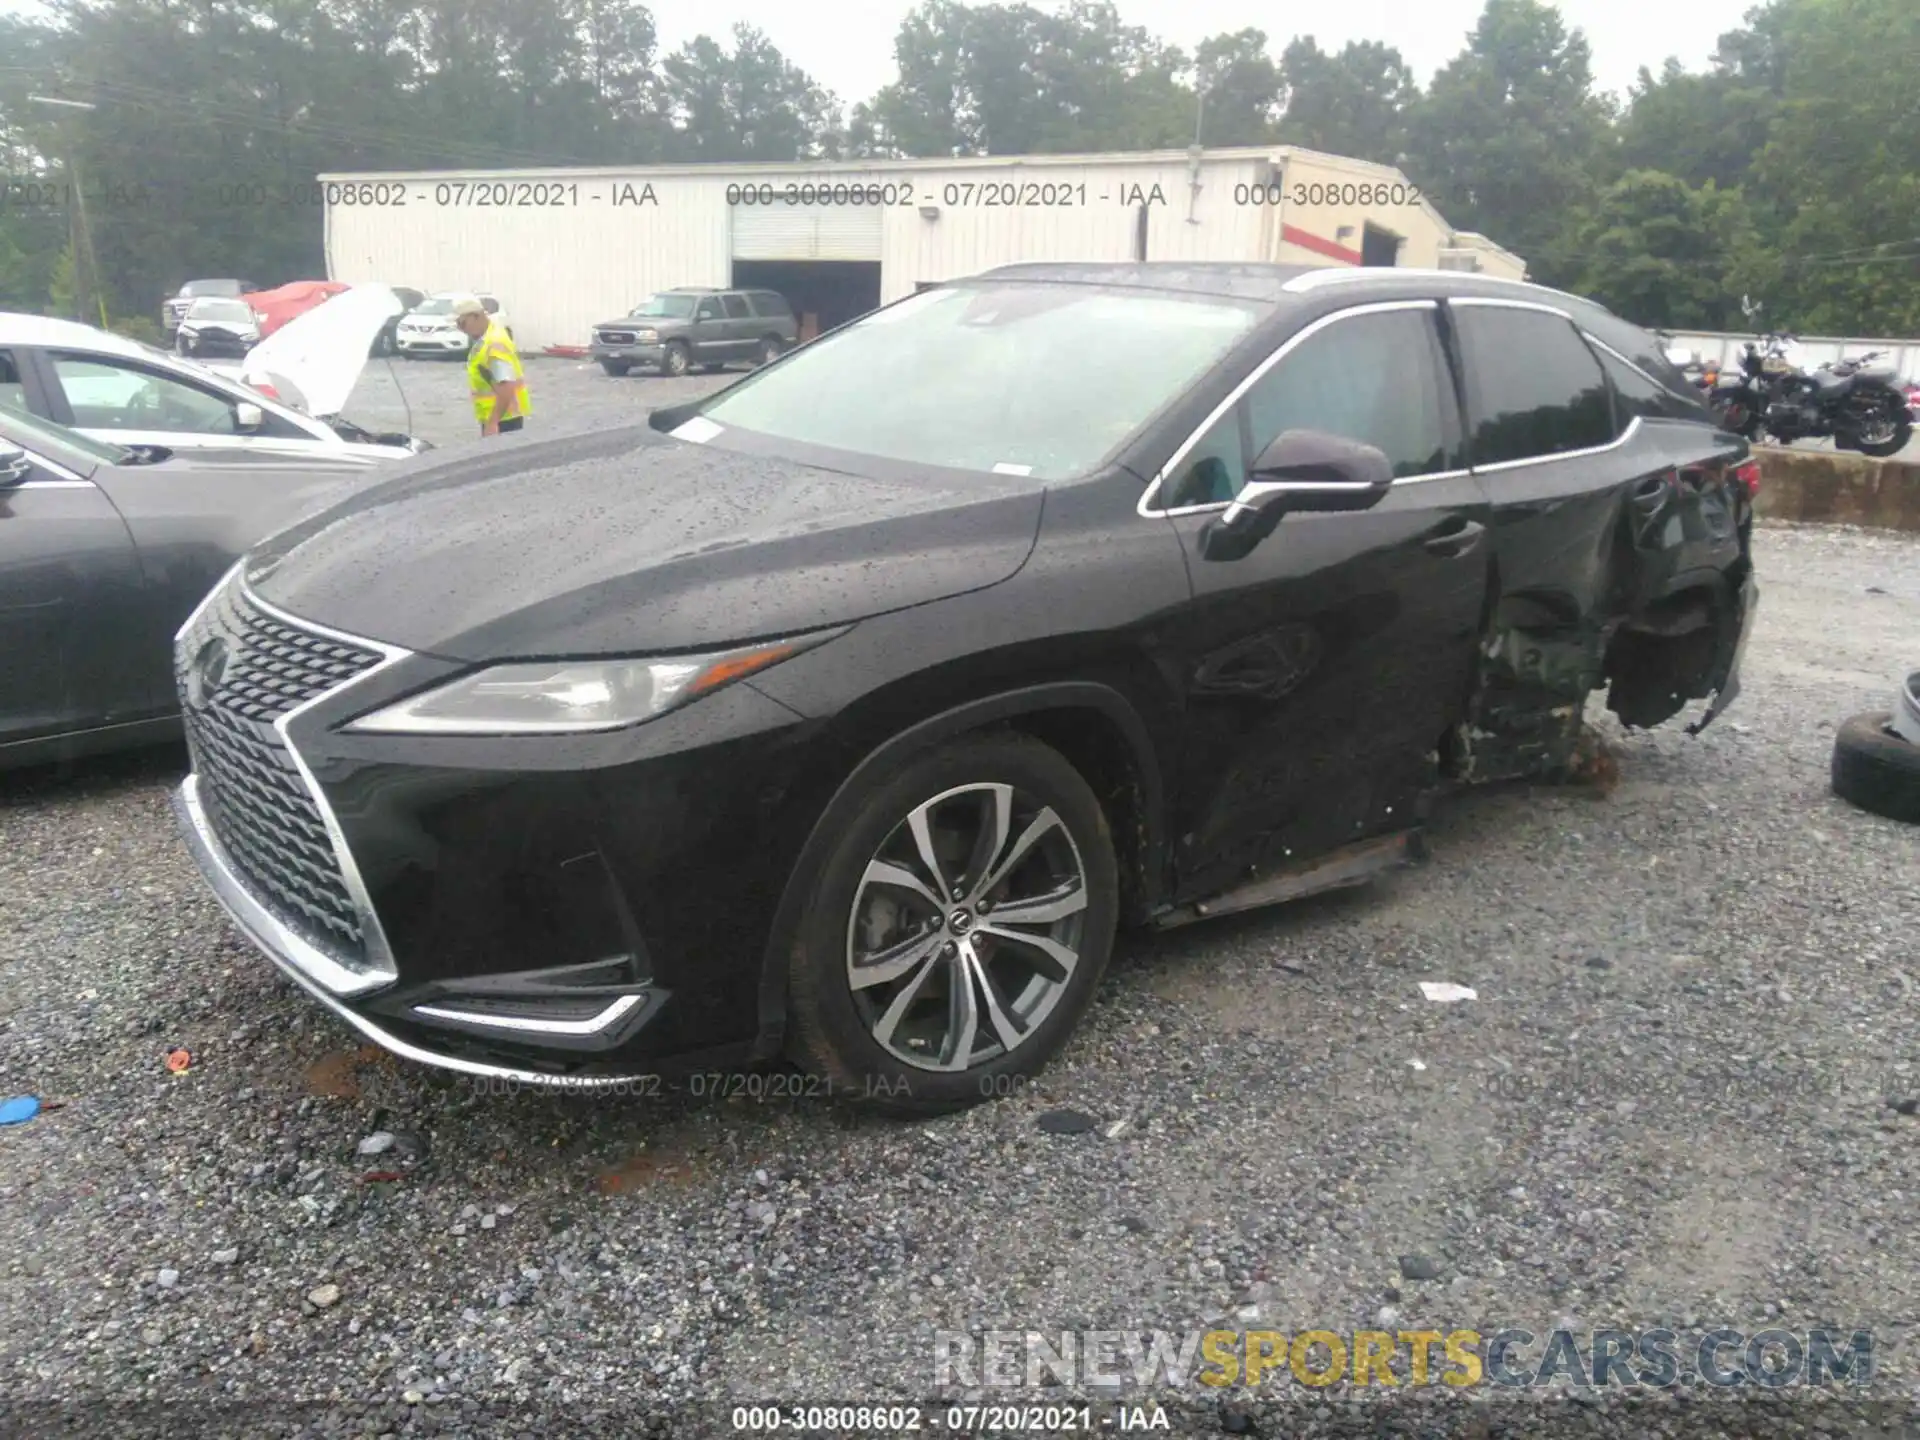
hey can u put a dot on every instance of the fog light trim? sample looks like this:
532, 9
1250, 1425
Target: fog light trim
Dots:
528, 1024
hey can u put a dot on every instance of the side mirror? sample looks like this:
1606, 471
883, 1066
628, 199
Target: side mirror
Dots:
248, 417
1305, 470
14, 465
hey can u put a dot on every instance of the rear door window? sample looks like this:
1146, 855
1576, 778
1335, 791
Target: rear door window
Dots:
1534, 389
736, 307
769, 305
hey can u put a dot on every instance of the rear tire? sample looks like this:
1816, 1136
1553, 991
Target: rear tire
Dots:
614, 367
1877, 769
770, 350
1902, 436
969, 1002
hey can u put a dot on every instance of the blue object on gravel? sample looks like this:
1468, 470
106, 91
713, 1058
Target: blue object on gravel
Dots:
18, 1110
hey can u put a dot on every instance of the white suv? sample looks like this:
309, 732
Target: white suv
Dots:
428, 328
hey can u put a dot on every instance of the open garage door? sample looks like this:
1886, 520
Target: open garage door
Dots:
825, 259
806, 232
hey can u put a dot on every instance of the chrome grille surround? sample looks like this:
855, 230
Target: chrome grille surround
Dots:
259, 798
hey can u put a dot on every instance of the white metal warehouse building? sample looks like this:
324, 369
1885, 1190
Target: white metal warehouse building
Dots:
563, 248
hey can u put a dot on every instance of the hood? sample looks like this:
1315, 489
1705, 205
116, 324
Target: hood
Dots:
321, 354
628, 542
638, 322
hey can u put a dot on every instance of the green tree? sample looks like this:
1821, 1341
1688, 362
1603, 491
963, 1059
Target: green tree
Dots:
1842, 163
1702, 128
748, 104
1243, 89
1354, 103
1510, 135
1661, 252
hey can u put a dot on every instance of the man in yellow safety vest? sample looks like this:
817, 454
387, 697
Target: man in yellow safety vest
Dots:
494, 375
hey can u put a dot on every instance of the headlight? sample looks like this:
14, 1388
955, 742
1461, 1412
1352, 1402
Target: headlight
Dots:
647, 337
569, 696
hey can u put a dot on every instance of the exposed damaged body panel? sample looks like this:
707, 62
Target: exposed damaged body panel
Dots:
1565, 520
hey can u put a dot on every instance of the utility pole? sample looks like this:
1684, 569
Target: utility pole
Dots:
86, 269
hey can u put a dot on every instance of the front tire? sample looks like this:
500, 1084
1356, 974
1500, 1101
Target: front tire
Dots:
674, 361
957, 929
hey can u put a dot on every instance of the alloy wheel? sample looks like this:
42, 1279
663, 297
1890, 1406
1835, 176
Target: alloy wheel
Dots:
966, 927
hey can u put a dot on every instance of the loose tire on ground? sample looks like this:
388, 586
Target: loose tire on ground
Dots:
830, 1035
614, 367
1877, 769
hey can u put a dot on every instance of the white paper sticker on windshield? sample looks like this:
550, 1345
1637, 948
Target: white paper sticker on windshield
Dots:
1005, 469
699, 430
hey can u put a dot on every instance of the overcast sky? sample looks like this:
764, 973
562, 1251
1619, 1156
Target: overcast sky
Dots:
847, 45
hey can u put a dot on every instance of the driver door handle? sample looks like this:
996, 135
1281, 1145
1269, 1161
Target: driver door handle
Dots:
1458, 539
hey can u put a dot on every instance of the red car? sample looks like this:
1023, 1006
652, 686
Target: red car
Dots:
276, 307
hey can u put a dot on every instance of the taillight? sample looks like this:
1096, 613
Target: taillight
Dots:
265, 387
1748, 475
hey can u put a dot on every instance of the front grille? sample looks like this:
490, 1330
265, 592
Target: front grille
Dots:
616, 337
255, 799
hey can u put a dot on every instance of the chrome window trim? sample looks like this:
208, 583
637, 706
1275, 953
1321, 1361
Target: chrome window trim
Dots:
1502, 302
1380, 307
592, 1025
1614, 444
324, 969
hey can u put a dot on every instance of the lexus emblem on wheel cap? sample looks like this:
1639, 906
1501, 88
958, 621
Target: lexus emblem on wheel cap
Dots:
204, 675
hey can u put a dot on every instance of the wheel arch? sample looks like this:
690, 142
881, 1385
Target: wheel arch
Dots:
1114, 754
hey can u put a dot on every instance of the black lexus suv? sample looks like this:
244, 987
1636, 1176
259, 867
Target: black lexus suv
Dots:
847, 722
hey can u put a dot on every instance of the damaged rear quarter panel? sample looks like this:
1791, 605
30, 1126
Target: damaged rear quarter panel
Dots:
1603, 579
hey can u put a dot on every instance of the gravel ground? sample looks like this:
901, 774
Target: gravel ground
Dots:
1669, 1104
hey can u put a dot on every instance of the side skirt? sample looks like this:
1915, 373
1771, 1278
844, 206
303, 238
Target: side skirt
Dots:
1340, 869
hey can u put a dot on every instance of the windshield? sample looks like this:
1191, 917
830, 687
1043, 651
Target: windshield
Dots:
30, 432
211, 287
438, 305
221, 310
1041, 380
667, 307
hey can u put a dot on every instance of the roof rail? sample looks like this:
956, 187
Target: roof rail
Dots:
1336, 274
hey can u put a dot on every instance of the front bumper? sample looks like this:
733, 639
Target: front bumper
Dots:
636, 353
438, 342
578, 911
217, 342
286, 950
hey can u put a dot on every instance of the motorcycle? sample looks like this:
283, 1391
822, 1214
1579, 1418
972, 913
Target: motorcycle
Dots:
1855, 402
